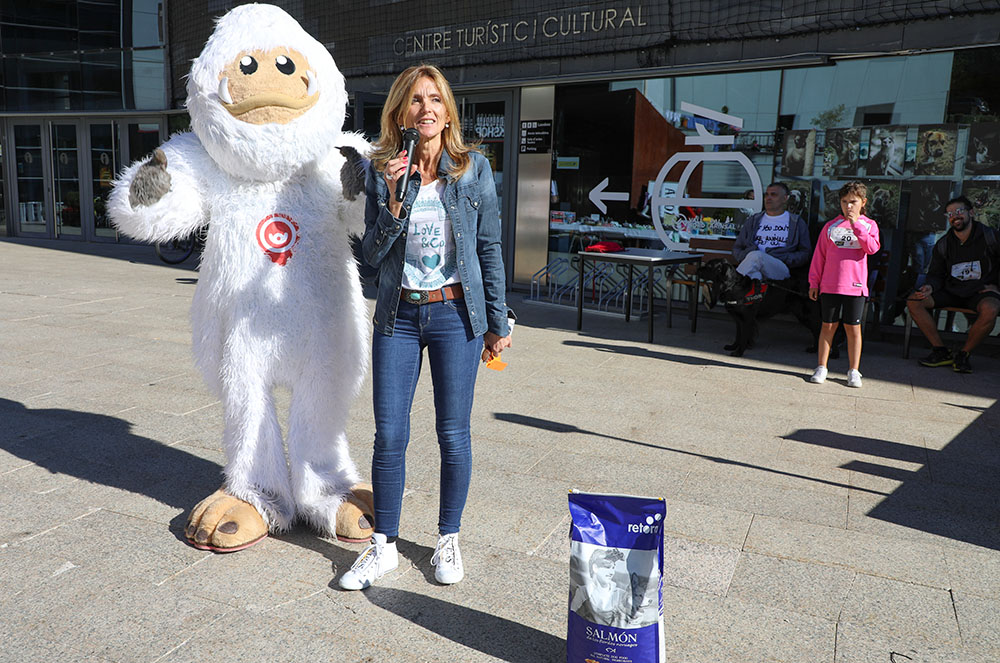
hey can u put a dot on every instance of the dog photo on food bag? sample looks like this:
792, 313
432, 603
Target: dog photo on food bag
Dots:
936, 146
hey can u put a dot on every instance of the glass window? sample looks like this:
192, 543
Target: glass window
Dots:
102, 81
100, 24
148, 79
146, 23
42, 82
975, 95
39, 26
915, 88
70, 55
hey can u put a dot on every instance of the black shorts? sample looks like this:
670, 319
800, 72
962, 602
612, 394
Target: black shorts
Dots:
943, 298
831, 305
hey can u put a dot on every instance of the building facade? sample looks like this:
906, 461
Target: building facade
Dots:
578, 105
83, 90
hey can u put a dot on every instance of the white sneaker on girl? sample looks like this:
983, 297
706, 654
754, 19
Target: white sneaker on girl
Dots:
854, 378
819, 375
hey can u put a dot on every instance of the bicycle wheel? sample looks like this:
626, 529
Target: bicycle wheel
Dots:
175, 251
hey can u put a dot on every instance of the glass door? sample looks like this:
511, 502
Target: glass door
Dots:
103, 164
142, 139
3, 171
488, 119
29, 181
66, 181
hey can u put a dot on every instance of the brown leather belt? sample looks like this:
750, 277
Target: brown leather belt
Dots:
431, 296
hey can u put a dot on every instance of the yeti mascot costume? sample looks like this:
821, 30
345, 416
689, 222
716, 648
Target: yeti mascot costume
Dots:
279, 299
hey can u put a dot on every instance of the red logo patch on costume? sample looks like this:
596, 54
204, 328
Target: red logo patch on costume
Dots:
277, 235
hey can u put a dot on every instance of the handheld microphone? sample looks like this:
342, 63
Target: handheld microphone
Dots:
410, 140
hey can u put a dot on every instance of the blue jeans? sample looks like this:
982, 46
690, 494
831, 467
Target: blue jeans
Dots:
454, 353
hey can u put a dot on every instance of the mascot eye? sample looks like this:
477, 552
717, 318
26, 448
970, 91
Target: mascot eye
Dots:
248, 65
284, 65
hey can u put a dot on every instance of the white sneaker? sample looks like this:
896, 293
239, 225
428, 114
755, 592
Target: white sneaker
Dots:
819, 375
448, 560
374, 562
854, 378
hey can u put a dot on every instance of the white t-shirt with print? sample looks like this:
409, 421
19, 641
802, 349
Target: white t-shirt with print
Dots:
430, 248
772, 231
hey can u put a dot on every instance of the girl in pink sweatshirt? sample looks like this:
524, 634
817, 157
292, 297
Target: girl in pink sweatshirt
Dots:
838, 276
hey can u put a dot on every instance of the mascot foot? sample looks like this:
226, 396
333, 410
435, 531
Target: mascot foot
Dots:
222, 523
356, 516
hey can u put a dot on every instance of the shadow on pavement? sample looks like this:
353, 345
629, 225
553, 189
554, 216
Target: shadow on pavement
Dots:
494, 636
691, 360
102, 449
955, 493
556, 427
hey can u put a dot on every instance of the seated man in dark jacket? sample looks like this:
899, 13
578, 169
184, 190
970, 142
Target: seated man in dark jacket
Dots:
773, 241
964, 273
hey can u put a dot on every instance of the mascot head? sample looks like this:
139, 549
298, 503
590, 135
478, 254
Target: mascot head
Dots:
265, 98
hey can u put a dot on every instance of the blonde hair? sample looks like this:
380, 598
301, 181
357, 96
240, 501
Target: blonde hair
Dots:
390, 140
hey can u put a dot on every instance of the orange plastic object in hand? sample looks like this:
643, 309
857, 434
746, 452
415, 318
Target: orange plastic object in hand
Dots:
496, 364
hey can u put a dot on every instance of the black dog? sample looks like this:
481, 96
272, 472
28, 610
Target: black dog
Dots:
746, 303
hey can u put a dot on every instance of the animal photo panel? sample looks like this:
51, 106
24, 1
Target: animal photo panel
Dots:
840, 152
829, 207
983, 155
799, 195
985, 197
798, 149
883, 202
936, 149
886, 152
927, 202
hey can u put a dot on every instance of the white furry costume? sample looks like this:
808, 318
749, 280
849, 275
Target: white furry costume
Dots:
278, 300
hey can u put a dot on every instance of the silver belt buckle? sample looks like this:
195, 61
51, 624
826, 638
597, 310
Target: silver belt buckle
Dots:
418, 297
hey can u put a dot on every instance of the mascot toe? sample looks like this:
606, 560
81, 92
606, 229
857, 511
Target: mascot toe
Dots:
278, 303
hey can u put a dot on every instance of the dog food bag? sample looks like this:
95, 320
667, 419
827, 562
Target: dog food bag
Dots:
615, 579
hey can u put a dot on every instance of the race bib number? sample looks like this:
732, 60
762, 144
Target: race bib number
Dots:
967, 271
843, 238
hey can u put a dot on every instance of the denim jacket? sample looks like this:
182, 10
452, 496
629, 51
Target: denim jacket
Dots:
471, 205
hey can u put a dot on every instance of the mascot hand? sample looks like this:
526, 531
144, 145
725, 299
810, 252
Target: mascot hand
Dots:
352, 173
151, 181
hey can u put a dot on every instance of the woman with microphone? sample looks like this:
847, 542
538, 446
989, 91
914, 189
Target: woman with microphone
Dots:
432, 228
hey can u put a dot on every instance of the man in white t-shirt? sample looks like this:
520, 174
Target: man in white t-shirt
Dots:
773, 241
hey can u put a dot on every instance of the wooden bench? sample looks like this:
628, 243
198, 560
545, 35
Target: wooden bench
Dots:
711, 248
935, 314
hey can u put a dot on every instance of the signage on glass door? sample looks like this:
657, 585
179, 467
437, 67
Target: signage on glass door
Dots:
673, 197
536, 136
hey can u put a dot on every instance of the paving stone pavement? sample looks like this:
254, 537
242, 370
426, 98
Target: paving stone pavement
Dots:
804, 522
